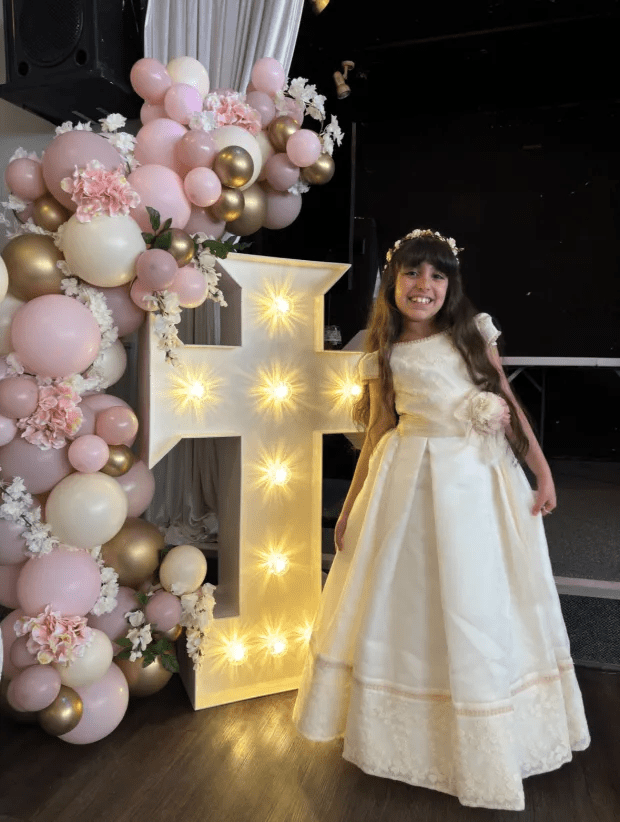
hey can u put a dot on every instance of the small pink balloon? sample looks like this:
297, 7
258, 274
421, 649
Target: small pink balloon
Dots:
280, 173
282, 208
126, 315
191, 286
268, 75
303, 147
34, 688
139, 486
8, 430
88, 421
18, 397
164, 610
181, 102
40, 470
114, 625
151, 111
262, 103
99, 402
105, 703
202, 186
156, 144
55, 336
160, 188
21, 657
67, 579
88, 453
196, 148
117, 425
139, 295
12, 543
201, 220
156, 269
150, 79
9, 575
7, 632
24, 177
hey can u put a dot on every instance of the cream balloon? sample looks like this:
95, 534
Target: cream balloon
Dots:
190, 71
267, 151
8, 307
237, 136
85, 510
183, 569
4, 279
86, 669
103, 251
112, 363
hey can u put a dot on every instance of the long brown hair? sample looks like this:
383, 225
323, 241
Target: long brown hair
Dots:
456, 314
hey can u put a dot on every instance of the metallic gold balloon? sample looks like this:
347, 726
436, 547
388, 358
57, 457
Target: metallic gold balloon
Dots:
234, 166
63, 714
144, 681
181, 247
134, 551
48, 213
280, 129
229, 206
320, 172
119, 462
31, 262
254, 212
6, 709
172, 634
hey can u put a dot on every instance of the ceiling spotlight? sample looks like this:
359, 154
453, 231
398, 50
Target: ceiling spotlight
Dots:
319, 5
340, 78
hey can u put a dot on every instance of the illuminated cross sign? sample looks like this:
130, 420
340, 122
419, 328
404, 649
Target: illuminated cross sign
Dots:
266, 396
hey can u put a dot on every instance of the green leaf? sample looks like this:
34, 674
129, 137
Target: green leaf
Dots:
124, 654
142, 598
240, 246
124, 642
154, 218
163, 240
169, 662
167, 224
148, 238
163, 552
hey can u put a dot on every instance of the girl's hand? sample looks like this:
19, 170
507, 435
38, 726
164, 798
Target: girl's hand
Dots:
339, 531
545, 496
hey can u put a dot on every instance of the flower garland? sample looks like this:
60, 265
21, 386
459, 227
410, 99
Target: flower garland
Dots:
55, 638
301, 97
17, 507
139, 643
197, 620
109, 585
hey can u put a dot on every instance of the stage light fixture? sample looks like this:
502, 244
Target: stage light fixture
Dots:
340, 78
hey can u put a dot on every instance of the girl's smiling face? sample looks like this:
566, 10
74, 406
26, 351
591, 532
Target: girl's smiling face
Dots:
419, 294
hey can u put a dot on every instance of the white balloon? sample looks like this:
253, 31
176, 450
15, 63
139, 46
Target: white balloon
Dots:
86, 669
189, 71
103, 251
4, 279
183, 569
112, 364
266, 150
8, 307
85, 510
237, 136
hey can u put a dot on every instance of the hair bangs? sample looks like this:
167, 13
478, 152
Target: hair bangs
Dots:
426, 250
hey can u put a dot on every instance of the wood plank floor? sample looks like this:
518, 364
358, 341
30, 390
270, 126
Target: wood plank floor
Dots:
245, 763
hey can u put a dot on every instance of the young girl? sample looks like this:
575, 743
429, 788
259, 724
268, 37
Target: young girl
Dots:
439, 651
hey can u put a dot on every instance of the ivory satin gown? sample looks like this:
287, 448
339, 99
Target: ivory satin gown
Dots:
439, 652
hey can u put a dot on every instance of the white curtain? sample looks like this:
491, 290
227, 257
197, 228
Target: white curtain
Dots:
227, 37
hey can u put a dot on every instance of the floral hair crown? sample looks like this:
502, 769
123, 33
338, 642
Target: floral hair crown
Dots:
422, 232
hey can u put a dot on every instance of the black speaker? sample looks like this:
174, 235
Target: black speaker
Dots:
70, 59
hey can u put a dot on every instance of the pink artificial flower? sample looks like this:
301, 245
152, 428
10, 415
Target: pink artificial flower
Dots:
55, 418
231, 110
55, 638
98, 191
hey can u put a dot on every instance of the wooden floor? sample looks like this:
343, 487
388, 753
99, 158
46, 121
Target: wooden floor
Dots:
245, 763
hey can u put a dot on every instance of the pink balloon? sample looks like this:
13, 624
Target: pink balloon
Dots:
21, 657
99, 402
24, 178
75, 148
114, 624
8, 430
67, 579
126, 315
250, 87
105, 703
181, 101
151, 111
196, 148
117, 425
26, 213
202, 186
201, 220
139, 294
160, 188
88, 453
55, 336
12, 543
88, 421
282, 208
280, 173
156, 269
262, 103
139, 485
268, 75
34, 688
40, 470
156, 144
150, 79
303, 147
8, 585
164, 610
19, 397
9, 637
191, 286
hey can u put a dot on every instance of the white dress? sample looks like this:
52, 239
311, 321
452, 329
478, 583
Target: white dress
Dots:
439, 652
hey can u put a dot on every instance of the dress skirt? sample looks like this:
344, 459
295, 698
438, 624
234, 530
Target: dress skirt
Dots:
439, 652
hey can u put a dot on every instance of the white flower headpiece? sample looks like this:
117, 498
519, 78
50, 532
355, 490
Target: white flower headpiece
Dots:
423, 232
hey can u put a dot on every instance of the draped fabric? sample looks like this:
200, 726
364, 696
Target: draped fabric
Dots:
227, 37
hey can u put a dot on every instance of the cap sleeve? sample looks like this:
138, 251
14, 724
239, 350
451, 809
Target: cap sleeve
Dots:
485, 326
368, 366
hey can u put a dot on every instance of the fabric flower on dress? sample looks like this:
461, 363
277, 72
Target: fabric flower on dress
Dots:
99, 191
55, 638
487, 415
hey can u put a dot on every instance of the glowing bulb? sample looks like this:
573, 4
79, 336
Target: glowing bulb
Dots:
282, 305
281, 391
197, 390
193, 389
236, 652
277, 564
281, 475
278, 646
355, 390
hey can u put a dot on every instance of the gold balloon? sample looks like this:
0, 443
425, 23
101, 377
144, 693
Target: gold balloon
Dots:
119, 462
134, 551
63, 714
172, 634
144, 681
319, 172
229, 206
31, 262
234, 166
6, 709
48, 213
181, 246
254, 212
280, 129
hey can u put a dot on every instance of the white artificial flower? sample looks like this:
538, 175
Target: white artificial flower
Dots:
135, 618
124, 142
19, 154
300, 187
17, 488
140, 637
203, 121
300, 90
113, 122
64, 128
84, 127
14, 365
316, 107
15, 203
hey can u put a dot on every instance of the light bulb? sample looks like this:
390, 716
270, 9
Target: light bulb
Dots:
282, 305
278, 646
281, 391
277, 564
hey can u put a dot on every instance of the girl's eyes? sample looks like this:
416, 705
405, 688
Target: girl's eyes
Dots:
437, 275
